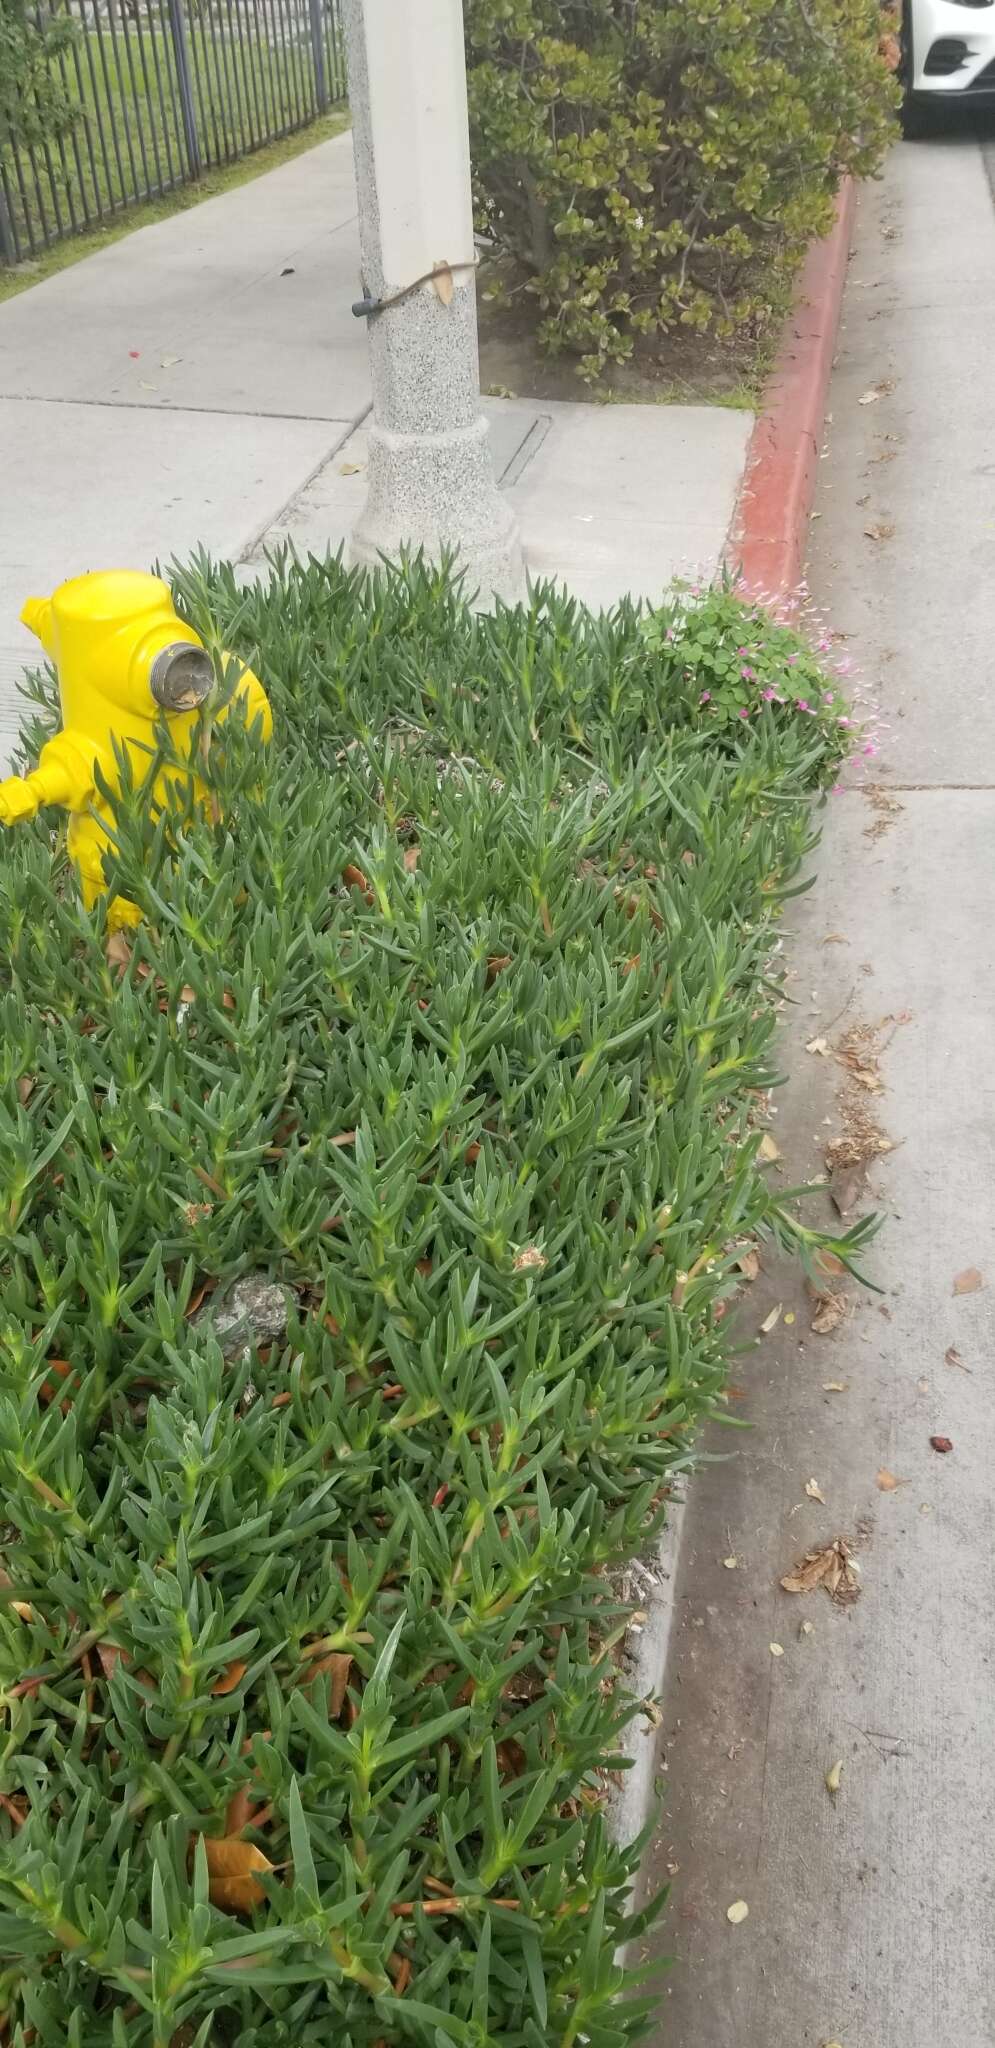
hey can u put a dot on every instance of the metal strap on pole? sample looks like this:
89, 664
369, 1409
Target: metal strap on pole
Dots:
181, 52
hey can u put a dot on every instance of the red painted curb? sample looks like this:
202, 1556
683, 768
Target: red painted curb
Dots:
767, 544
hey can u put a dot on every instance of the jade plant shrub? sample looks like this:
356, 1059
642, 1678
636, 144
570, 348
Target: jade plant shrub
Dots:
644, 164
450, 1014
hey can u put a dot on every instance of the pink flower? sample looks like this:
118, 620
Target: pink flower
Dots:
749, 674
742, 650
869, 750
837, 789
842, 721
801, 704
829, 696
705, 696
792, 658
744, 714
769, 696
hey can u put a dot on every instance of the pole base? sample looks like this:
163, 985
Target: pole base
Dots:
435, 493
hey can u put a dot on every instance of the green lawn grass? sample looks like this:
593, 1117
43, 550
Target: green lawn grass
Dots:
128, 144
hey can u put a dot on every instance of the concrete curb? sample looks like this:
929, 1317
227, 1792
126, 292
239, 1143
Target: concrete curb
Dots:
769, 532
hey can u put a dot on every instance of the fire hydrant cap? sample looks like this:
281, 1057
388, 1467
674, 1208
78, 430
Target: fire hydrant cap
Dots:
109, 594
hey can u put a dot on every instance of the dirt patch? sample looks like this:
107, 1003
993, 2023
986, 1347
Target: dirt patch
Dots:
680, 368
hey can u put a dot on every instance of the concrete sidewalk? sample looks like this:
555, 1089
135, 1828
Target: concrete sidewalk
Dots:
199, 381
871, 1911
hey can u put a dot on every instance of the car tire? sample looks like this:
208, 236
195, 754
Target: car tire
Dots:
916, 118
916, 113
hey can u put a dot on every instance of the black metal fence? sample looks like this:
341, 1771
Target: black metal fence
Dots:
166, 89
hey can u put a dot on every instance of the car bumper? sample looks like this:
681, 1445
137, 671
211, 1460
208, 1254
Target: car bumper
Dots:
953, 49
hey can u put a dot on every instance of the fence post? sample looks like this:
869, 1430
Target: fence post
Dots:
178, 30
318, 53
8, 247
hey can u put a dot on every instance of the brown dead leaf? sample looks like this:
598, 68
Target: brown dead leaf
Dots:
232, 1864
25, 1088
883, 529
350, 468
770, 1322
952, 1357
828, 1266
767, 1150
828, 1312
941, 1443
229, 1679
821, 1046
814, 1491
831, 1568
749, 1265
887, 1482
338, 1664
412, 855
833, 1776
846, 1184
442, 279
110, 1657
496, 965
876, 391
968, 1282
117, 951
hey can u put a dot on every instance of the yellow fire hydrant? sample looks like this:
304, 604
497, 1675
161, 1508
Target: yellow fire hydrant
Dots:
125, 661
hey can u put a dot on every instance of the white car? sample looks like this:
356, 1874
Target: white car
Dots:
947, 54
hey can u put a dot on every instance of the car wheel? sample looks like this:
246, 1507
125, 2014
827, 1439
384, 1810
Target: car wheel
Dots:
916, 118
916, 112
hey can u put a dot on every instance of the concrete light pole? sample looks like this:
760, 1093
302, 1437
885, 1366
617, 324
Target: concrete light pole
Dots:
431, 481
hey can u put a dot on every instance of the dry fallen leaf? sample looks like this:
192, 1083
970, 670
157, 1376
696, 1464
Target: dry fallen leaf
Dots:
887, 1481
883, 530
828, 1312
229, 1679
941, 1443
768, 1151
730, 1563
814, 1491
350, 468
846, 1184
834, 1386
807, 1628
749, 1265
117, 950
968, 1282
777, 1649
443, 282
737, 1912
952, 1357
770, 1321
876, 391
25, 1088
412, 855
833, 1777
821, 1046
231, 1865
338, 1665
832, 1568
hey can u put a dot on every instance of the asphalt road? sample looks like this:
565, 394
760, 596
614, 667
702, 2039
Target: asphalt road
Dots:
872, 1910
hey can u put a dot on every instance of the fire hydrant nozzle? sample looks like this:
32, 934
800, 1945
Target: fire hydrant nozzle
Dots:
125, 660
